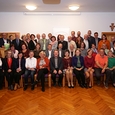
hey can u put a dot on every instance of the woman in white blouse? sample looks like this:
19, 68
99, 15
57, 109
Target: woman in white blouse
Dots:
53, 42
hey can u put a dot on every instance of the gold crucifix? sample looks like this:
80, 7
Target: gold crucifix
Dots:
112, 26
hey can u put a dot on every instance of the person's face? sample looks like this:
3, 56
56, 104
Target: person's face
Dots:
32, 37
38, 36
53, 39
90, 53
41, 54
71, 47
9, 54
49, 47
12, 48
96, 35
78, 33
62, 37
55, 53
103, 37
28, 36
110, 54
101, 52
49, 35
17, 36
20, 55
4, 35
24, 38
60, 46
89, 33
72, 33
85, 37
66, 54
31, 54
69, 38
37, 46
43, 36
23, 47
77, 52
93, 46
82, 45
112, 39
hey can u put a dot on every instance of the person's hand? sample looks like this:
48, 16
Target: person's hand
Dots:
32, 69
9, 70
103, 70
59, 72
55, 71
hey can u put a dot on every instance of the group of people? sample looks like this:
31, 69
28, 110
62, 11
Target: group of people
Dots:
83, 58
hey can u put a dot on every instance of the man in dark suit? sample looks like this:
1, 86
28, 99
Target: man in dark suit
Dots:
90, 38
97, 39
61, 51
64, 43
49, 51
17, 42
87, 42
56, 67
4, 40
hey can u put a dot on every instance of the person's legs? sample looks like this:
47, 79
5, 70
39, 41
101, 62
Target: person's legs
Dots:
54, 78
32, 73
71, 77
67, 77
113, 77
108, 75
60, 79
91, 78
82, 76
1, 79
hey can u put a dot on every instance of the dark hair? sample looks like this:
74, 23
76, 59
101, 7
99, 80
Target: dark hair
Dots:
96, 33
25, 45
53, 37
66, 51
38, 44
113, 42
105, 36
10, 36
32, 35
84, 44
12, 45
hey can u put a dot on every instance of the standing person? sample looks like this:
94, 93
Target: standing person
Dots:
104, 41
101, 61
25, 51
19, 69
53, 42
78, 65
89, 66
70, 41
30, 66
37, 50
24, 40
1, 72
78, 42
110, 70
63, 42
79, 35
113, 48
72, 50
9, 69
60, 49
42, 68
68, 69
17, 42
44, 42
97, 39
32, 43
73, 36
56, 67
83, 50
87, 42
37, 38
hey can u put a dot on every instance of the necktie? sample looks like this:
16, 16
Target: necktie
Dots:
17, 41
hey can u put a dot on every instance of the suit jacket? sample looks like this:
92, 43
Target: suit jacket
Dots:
16, 64
89, 43
98, 40
42, 43
47, 53
64, 44
31, 45
52, 63
17, 47
2, 42
5, 65
91, 40
62, 53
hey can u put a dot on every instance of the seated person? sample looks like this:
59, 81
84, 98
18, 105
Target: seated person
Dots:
89, 67
101, 61
14, 51
56, 67
105, 48
68, 69
1, 72
113, 48
83, 50
53, 42
42, 68
72, 50
61, 51
78, 65
110, 70
9, 69
19, 69
49, 51
30, 65
37, 50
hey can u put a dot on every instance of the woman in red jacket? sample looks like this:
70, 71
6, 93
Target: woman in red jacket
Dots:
89, 65
42, 68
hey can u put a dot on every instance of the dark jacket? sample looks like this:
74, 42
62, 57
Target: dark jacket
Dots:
75, 59
52, 64
2, 42
17, 47
64, 44
47, 53
31, 45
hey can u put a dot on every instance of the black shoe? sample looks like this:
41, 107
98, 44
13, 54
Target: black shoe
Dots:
59, 84
32, 87
0, 88
85, 85
54, 84
72, 86
81, 85
25, 87
11, 87
36, 82
90, 86
43, 89
69, 86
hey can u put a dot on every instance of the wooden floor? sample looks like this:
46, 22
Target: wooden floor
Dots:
58, 101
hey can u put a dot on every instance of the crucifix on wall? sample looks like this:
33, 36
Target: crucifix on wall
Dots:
112, 26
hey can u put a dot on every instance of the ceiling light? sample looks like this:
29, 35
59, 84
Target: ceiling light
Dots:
31, 7
73, 8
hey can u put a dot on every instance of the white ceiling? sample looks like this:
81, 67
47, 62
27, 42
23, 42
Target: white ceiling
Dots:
85, 5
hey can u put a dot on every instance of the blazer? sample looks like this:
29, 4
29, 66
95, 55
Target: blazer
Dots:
47, 53
64, 44
74, 61
17, 47
5, 65
16, 64
91, 40
52, 64
62, 53
45, 65
42, 43
2, 42
31, 45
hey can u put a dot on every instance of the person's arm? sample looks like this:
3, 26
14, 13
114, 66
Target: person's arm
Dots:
85, 62
51, 64
47, 63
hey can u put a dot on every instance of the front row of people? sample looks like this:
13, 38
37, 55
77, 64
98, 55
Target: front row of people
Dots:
82, 68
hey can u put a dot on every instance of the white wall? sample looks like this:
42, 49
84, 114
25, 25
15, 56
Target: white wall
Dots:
18, 22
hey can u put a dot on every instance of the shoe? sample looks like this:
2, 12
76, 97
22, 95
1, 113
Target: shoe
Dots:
43, 89
59, 84
105, 85
90, 86
81, 85
0, 88
98, 83
25, 87
54, 84
32, 87
11, 87
15, 87
36, 82
85, 85
18, 86
69, 86
72, 86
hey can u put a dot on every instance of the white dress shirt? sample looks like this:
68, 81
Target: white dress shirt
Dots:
31, 62
49, 54
86, 44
